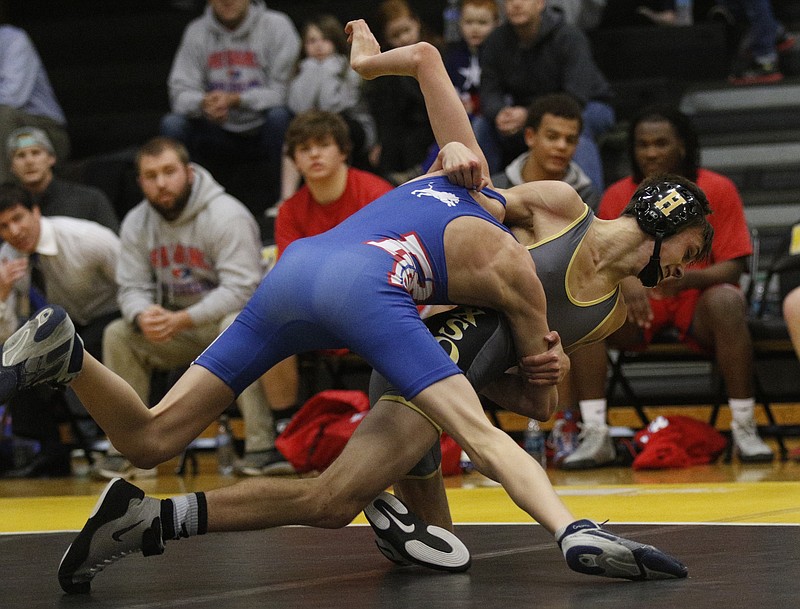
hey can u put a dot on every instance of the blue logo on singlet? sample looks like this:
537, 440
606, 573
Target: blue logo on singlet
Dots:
445, 197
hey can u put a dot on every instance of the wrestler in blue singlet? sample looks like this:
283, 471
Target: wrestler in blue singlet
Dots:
356, 286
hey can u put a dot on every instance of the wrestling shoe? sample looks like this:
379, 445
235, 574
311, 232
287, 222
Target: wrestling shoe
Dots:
115, 465
44, 350
123, 521
263, 463
596, 448
405, 539
592, 550
748, 445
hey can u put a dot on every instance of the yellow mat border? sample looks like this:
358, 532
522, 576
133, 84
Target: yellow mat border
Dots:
746, 503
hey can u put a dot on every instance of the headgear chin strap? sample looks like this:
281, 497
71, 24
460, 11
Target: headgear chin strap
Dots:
650, 275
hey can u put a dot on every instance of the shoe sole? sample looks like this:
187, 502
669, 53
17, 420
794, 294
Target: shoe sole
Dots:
756, 458
404, 537
78, 550
49, 334
600, 553
585, 464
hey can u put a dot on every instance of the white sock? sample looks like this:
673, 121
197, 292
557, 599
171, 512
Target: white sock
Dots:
593, 411
185, 515
742, 409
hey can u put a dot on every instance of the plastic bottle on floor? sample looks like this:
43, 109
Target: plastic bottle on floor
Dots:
534, 442
226, 456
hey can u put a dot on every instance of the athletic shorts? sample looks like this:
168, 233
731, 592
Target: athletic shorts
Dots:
675, 312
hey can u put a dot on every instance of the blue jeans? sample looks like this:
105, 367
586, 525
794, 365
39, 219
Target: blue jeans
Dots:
208, 143
763, 27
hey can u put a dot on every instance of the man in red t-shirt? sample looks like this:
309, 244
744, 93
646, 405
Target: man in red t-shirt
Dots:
705, 306
319, 145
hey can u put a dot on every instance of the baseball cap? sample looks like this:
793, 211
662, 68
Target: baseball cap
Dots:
28, 136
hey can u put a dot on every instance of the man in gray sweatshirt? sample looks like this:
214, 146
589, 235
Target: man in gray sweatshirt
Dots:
189, 261
228, 82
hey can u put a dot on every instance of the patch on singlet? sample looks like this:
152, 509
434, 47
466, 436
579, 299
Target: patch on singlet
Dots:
445, 197
412, 270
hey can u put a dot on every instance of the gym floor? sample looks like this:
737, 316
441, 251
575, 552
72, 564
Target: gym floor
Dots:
737, 528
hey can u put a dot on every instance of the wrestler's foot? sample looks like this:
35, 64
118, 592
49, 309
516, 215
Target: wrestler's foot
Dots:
405, 539
592, 550
44, 350
123, 521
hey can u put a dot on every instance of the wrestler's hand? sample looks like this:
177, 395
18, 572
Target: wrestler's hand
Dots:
461, 166
363, 46
548, 368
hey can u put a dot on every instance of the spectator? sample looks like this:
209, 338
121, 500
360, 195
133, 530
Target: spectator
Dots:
32, 158
534, 53
189, 261
65, 261
705, 306
552, 129
318, 144
26, 97
227, 86
462, 60
404, 133
325, 81
763, 40
586, 14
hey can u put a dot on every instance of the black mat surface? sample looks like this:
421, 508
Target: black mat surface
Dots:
515, 566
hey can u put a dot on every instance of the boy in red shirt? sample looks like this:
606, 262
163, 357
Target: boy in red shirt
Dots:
319, 144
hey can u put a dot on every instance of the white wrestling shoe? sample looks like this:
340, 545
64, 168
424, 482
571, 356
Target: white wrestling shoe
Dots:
592, 550
44, 350
405, 539
124, 521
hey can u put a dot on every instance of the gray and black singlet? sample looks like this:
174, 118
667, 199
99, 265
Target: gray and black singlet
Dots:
480, 341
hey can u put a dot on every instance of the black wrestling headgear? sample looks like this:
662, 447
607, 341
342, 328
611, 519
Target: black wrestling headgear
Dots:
661, 210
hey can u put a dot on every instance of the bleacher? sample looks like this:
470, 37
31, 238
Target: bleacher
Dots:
108, 63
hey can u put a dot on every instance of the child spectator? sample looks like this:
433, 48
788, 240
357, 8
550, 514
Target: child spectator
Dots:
462, 59
318, 144
325, 81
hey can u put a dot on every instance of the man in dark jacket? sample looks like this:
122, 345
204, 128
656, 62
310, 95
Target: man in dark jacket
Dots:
534, 53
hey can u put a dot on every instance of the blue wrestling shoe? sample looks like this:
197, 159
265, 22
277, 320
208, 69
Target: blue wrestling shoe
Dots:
123, 521
44, 350
592, 550
405, 539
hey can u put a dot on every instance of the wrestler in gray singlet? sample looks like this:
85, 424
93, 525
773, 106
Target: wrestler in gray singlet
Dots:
480, 341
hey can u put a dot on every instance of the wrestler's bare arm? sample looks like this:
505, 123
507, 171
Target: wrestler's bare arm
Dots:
423, 62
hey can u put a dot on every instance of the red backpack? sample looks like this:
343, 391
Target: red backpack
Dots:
320, 429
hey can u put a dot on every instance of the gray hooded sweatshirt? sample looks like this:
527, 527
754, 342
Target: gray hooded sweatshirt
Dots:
206, 261
256, 60
575, 177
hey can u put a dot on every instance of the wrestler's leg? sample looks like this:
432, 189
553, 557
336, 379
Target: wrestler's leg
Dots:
387, 443
151, 436
453, 404
426, 497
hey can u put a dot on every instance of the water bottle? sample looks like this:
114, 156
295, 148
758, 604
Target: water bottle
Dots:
534, 442
683, 12
451, 15
225, 451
